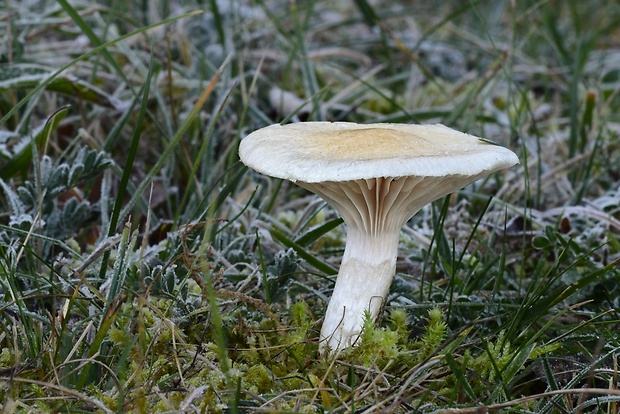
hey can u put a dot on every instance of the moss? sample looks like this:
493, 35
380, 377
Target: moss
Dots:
7, 357
300, 315
259, 379
376, 346
119, 336
434, 335
397, 321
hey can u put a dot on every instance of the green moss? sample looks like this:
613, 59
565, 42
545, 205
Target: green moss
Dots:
376, 345
300, 315
397, 321
7, 357
259, 379
119, 337
434, 335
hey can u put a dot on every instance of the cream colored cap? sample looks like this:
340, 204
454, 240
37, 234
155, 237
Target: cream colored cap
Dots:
315, 152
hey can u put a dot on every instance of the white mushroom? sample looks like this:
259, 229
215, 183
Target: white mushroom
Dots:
377, 176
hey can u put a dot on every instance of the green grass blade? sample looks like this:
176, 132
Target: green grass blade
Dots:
219, 21
313, 235
131, 154
303, 253
127, 168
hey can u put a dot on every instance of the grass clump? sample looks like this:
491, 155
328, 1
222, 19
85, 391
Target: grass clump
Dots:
143, 268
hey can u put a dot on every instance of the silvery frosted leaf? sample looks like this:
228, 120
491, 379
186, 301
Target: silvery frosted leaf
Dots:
27, 195
75, 212
15, 203
21, 221
75, 173
285, 262
57, 182
46, 167
94, 162
24, 222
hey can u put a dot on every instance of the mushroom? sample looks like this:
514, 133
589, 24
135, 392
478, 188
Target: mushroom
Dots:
377, 176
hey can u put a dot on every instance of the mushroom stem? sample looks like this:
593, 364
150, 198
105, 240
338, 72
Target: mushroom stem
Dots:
363, 282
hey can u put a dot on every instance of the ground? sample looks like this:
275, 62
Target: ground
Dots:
143, 268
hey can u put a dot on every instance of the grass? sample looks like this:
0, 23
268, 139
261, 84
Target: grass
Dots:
144, 269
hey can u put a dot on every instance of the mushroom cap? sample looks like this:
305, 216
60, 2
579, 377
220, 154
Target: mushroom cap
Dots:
314, 152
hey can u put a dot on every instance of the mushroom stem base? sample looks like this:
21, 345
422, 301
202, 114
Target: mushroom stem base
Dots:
363, 282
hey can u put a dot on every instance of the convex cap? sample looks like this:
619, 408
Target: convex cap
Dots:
314, 152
